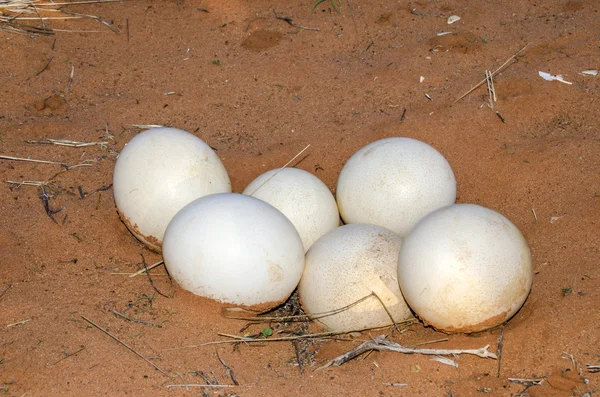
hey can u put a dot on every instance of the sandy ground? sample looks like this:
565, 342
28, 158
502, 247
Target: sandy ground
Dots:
259, 90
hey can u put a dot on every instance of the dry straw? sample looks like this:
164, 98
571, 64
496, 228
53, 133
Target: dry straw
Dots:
17, 16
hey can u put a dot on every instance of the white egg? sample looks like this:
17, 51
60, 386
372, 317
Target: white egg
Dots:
235, 249
160, 171
300, 196
347, 264
465, 268
393, 183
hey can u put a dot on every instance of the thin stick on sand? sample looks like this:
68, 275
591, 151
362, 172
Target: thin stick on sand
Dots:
494, 73
65, 142
17, 10
281, 169
245, 339
147, 269
199, 385
144, 126
380, 343
388, 313
491, 89
2, 157
126, 345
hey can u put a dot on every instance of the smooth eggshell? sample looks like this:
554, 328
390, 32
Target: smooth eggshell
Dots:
157, 173
393, 183
300, 196
235, 249
346, 265
465, 268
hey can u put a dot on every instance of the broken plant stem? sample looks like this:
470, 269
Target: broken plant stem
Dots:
147, 269
126, 345
289, 21
30, 160
198, 385
66, 142
493, 74
135, 320
281, 169
380, 343
245, 339
19, 323
307, 317
388, 313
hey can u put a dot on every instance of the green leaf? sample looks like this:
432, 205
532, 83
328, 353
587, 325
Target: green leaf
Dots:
334, 6
317, 4
268, 331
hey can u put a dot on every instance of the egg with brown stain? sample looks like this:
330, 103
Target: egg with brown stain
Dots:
465, 268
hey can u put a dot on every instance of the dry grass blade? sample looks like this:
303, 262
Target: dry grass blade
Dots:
29, 160
147, 269
306, 317
144, 126
126, 345
66, 142
281, 169
228, 369
515, 55
245, 339
5, 289
198, 385
19, 323
13, 11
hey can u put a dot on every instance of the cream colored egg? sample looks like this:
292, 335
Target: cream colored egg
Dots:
234, 249
346, 265
393, 183
465, 268
300, 196
157, 173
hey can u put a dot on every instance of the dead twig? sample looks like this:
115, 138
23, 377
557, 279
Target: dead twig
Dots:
68, 355
126, 345
429, 342
282, 168
30, 160
227, 369
527, 383
144, 126
197, 385
388, 313
245, 339
71, 78
491, 89
150, 278
422, 14
289, 21
499, 351
5, 289
305, 317
45, 66
298, 358
135, 320
98, 190
380, 343
494, 73
147, 269
18, 10
19, 323
65, 142
500, 117
45, 197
